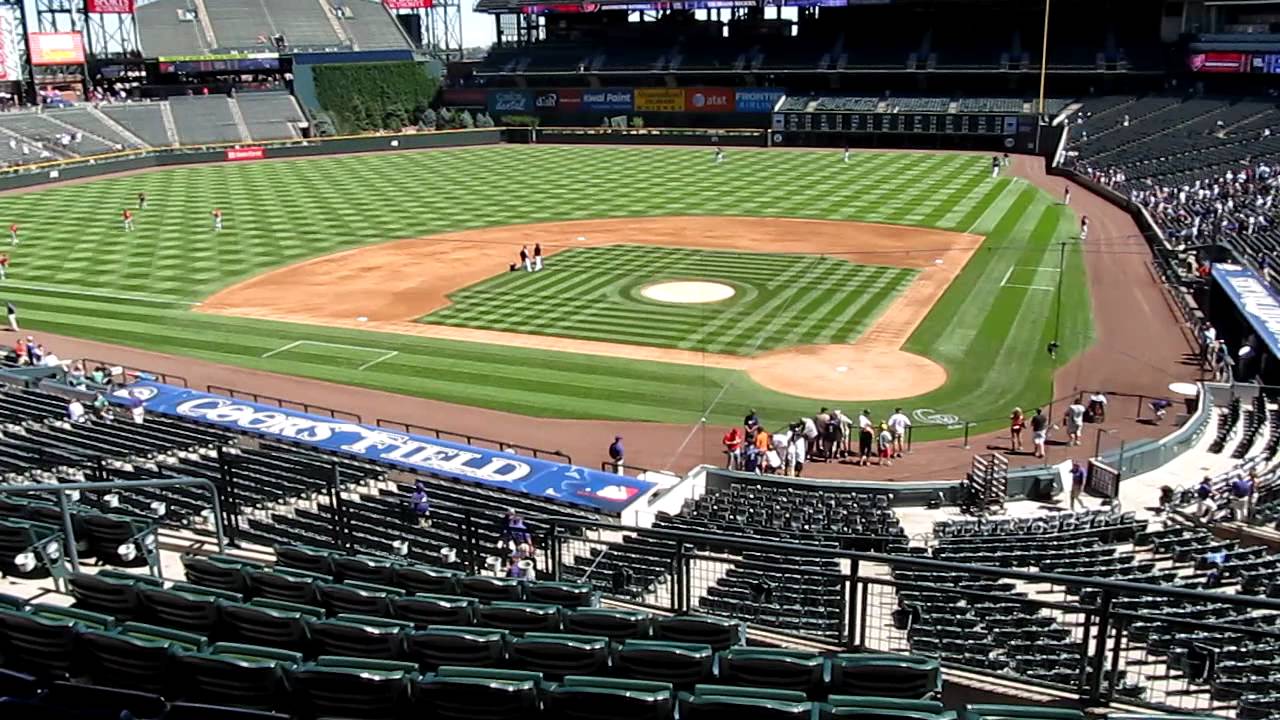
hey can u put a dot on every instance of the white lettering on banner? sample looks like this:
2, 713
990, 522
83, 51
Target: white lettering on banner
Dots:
1258, 302
367, 441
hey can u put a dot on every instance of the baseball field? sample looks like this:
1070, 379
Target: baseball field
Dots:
674, 288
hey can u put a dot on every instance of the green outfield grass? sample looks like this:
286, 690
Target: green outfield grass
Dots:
76, 272
595, 293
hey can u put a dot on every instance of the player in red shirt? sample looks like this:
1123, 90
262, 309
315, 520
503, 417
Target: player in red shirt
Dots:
13, 234
217, 219
4, 265
127, 216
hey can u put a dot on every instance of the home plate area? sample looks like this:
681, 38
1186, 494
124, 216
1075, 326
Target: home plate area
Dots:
1031, 278
354, 357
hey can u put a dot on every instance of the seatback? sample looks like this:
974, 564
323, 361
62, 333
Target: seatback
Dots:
719, 633
444, 646
353, 688
188, 611
681, 664
566, 595
359, 636
719, 705
293, 586
243, 676
491, 589
612, 623
65, 699
555, 656
215, 573
436, 609
594, 698
428, 580
473, 694
886, 675
775, 668
35, 644
364, 569
357, 599
301, 557
116, 659
519, 617
264, 626
117, 597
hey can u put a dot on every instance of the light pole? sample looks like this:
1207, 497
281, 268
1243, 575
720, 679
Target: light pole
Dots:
1044, 55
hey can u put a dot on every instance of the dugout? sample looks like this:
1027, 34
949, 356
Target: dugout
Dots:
1245, 311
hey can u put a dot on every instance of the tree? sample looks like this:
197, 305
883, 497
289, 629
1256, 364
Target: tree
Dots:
428, 120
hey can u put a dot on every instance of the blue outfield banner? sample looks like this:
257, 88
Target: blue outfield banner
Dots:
510, 101
1254, 298
756, 99
593, 489
608, 99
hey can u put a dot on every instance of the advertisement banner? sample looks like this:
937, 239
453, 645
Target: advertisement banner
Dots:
509, 101
246, 153
10, 45
1220, 62
406, 4
607, 99
708, 100
756, 100
109, 7
659, 100
464, 97
1254, 299
541, 478
58, 48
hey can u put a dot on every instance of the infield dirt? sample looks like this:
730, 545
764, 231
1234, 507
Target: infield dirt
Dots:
391, 285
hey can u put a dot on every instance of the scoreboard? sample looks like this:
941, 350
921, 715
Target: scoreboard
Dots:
909, 123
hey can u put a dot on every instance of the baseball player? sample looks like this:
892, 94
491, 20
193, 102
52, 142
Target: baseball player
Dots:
1066, 195
1084, 228
846, 154
537, 257
13, 234
524, 258
142, 201
217, 220
995, 166
127, 218
4, 265
719, 155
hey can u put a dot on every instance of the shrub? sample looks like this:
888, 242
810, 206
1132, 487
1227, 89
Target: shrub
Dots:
362, 97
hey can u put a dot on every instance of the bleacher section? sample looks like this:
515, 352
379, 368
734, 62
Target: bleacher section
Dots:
202, 120
162, 31
270, 115
1169, 144
146, 120
369, 26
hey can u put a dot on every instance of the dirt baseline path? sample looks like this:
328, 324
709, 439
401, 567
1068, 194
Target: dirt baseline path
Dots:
371, 282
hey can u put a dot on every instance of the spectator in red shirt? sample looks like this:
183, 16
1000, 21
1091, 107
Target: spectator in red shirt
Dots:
733, 448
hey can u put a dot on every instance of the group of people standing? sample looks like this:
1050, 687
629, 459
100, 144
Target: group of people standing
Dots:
827, 436
1073, 420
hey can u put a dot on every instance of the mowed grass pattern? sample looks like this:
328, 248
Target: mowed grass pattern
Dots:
595, 294
76, 272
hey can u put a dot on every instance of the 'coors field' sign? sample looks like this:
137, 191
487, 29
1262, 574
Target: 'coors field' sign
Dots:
118, 7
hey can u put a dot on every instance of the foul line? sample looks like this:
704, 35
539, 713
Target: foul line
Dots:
1007, 273
1030, 287
283, 348
387, 356
94, 293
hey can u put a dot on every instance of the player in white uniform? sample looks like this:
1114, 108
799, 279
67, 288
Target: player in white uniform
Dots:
217, 219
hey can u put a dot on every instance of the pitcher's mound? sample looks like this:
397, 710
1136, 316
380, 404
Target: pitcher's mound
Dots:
688, 292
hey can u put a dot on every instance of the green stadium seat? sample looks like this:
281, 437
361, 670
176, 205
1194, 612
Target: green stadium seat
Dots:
427, 580
359, 636
19, 537
80, 700
436, 609
117, 659
566, 595
932, 707
1018, 712
293, 586
301, 557
139, 578
353, 599
377, 571
681, 664
593, 698
885, 675
719, 633
558, 655
731, 707
194, 612
614, 624
270, 627
491, 589
186, 641
352, 688
248, 678
86, 618
38, 645
193, 589
314, 612
827, 710
198, 711
519, 617
750, 692
217, 573
102, 593
257, 652
440, 646
798, 670
478, 694
13, 602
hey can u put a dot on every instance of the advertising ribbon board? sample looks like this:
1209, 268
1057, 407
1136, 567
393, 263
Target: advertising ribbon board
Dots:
756, 100
1254, 299
709, 100
245, 153
1219, 62
10, 45
571, 484
406, 4
509, 101
56, 48
659, 100
608, 99
109, 7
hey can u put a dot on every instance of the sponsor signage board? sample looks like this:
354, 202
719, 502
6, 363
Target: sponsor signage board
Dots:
517, 473
509, 101
717, 100
660, 99
756, 100
1255, 300
56, 48
10, 44
109, 7
608, 99
245, 153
